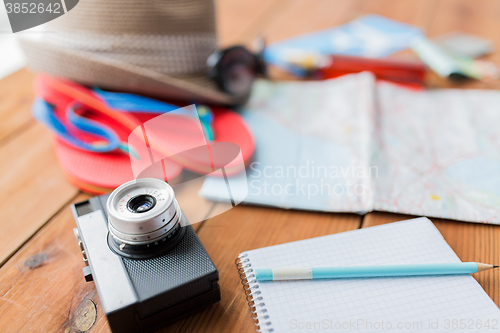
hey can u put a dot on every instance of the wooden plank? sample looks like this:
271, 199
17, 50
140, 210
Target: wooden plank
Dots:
470, 241
303, 16
418, 12
481, 18
33, 187
16, 95
238, 21
42, 287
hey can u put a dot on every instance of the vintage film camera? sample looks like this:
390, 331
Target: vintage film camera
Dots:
144, 257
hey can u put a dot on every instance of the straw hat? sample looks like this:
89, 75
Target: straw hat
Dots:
157, 48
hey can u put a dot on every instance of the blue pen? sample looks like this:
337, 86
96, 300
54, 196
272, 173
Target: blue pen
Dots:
313, 273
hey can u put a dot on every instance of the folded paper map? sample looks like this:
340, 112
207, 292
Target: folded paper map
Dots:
353, 145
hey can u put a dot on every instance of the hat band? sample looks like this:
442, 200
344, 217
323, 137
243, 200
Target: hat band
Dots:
168, 54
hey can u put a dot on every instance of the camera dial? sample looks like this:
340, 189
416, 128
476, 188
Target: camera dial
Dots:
143, 219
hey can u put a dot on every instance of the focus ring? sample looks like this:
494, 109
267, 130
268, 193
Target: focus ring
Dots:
147, 237
126, 221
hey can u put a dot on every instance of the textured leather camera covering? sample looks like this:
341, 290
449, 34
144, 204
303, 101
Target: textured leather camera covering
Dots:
186, 267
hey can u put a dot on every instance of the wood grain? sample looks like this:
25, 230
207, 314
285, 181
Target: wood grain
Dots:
239, 21
420, 12
33, 187
42, 287
470, 241
16, 95
303, 16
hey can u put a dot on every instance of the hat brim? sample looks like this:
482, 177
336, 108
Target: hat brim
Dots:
94, 70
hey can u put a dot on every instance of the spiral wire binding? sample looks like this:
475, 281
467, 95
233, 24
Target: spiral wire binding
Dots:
255, 301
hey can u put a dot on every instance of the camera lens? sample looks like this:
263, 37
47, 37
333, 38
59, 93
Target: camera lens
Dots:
141, 203
144, 219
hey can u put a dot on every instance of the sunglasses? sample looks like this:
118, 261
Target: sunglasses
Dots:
234, 69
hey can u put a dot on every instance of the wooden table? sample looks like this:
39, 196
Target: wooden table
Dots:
41, 284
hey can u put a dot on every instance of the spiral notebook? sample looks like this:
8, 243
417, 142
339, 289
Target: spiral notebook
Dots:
402, 304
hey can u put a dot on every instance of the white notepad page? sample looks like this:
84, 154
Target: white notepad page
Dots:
400, 304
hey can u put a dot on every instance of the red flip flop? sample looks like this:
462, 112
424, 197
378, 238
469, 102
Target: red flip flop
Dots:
109, 170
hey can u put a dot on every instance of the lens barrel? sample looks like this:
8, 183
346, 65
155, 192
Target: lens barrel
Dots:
144, 219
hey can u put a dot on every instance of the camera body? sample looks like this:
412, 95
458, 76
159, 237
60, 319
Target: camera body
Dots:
141, 295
